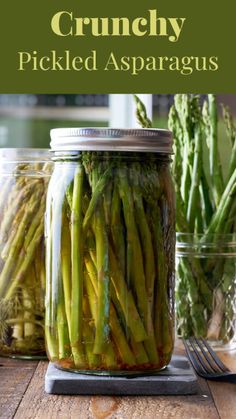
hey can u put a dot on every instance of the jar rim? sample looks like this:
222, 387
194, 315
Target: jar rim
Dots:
24, 155
205, 240
111, 139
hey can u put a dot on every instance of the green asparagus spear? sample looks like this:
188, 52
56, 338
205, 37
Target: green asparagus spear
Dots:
231, 132
117, 230
145, 234
141, 113
18, 240
77, 265
102, 330
211, 121
196, 173
66, 268
100, 185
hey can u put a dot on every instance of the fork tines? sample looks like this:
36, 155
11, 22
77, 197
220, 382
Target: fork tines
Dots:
203, 358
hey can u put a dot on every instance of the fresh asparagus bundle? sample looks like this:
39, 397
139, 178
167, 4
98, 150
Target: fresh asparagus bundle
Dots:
22, 266
206, 210
109, 226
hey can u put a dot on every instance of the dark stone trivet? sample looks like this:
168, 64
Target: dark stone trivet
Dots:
177, 378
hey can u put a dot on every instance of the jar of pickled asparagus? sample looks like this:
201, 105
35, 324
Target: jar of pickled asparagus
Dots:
24, 177
110, 242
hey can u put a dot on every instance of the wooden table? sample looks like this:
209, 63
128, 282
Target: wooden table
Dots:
22, 396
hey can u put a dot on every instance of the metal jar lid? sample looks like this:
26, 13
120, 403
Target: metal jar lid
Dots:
111, 139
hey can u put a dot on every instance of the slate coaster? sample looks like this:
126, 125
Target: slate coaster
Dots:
177, 378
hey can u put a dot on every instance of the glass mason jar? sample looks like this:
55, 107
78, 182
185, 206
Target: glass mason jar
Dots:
24, 177
206, 287
110, 245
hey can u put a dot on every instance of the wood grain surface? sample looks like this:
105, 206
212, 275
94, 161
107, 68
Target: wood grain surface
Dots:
15, 377
225, 396
22, 396
37, 404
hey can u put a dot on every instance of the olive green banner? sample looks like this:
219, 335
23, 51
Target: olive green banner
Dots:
83, 46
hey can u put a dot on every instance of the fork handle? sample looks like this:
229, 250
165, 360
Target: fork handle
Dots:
227, 378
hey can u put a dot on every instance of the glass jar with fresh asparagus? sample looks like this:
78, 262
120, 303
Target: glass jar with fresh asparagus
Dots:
110, 241
214, 260
205, 217
206, 214
24, 177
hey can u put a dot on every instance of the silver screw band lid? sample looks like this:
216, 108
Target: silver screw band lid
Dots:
111, 139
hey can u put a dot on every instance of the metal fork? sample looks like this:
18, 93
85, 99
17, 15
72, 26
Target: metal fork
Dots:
205, 361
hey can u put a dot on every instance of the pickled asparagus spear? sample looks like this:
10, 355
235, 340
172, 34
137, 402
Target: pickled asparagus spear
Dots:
76, 264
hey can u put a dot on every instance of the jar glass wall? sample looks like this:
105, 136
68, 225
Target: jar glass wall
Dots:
206, 288
24, 177
110, 244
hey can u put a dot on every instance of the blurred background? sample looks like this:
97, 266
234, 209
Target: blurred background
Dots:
25, 120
